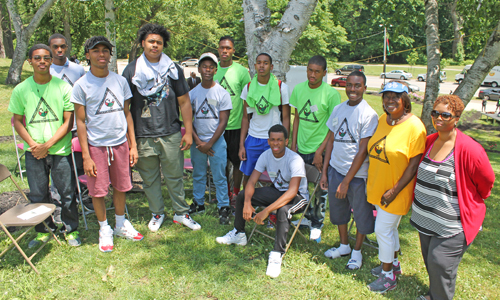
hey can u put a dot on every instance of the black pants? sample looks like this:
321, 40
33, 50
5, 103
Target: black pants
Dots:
264, 197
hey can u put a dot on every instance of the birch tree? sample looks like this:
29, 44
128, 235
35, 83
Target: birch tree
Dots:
23, 35
280, 40
111, 32
433, 62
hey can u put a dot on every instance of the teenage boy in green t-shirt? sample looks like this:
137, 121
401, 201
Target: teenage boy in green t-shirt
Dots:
233, 77
313, 101
43, 101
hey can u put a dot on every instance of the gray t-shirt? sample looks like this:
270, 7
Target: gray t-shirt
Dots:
104, 100
282, 170
207, 103
69, 72
349, 125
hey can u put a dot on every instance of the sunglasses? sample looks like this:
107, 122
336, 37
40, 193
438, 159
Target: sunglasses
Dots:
444, 115
39, 58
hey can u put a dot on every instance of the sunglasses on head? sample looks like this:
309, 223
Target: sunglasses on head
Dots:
444, 115
39, 58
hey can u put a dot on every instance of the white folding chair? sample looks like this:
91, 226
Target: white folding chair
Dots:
19, 146
76, 147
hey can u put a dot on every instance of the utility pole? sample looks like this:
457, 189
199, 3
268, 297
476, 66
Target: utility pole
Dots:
385, 50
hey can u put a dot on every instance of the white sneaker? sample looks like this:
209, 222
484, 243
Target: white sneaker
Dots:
315, 235
233, 238
305, 222
187, 221
106, 239
274, 264
156, 221
128, 231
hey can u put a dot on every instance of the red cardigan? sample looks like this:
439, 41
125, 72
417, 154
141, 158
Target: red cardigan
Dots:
474, 177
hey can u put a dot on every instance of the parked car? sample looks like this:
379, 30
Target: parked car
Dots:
489, 94
413, 88
397, 74
422, 77
348, 69
339, 81
192, 62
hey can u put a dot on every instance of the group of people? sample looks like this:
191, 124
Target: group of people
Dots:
375, 168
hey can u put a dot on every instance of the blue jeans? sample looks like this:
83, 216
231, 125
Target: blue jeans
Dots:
317, 208
61, 170
217, 166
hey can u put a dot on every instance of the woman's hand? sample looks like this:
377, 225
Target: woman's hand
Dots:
388, 197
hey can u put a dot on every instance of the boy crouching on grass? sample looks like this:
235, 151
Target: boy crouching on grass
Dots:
103, 97
211, 105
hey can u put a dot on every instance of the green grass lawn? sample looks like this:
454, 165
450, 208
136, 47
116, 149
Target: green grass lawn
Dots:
179, 263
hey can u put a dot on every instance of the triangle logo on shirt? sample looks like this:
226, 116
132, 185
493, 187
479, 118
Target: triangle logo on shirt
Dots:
109, 103
307, 114
279, 181
66, 78
377, 151
226, 86
343, 134
205, 111
43, 113
262, 105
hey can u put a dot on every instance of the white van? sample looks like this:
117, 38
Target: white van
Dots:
492, 79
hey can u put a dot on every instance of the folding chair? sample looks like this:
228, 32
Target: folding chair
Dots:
76, 147
313, 176
19, 146
25, 215
368, 242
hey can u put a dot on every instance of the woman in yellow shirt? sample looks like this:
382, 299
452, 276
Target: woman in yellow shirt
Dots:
394, 153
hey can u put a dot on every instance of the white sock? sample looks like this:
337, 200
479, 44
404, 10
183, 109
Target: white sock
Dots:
119, 220
388, 274
395, 262
344, 249
356, 254
103, 223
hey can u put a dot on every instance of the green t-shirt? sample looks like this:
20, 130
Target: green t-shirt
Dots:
233, 79
314, 107
43, 107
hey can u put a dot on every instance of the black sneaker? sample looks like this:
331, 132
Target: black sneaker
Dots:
196, 209
224, 213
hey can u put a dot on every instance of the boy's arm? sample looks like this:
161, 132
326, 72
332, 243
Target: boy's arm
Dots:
133, 155
187, 119
285, 111
89, 166
326, 161
318, 155
42, 150
356, 164
223, 117
244, 131
287, 196
295, 131
249, 190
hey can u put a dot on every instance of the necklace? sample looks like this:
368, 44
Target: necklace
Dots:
396, 120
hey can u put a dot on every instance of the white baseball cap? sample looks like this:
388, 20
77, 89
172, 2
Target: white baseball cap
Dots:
209, 56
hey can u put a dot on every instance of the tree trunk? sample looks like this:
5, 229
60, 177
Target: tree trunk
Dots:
111, 32
133, 52
458, 22
66, 25
433, 61
2, 47
487, 59
6, 30
23, 35
278, 41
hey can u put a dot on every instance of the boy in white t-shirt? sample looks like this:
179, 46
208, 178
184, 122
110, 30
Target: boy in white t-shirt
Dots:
266, 104
211, 105
288, 195
351, 125
103, 98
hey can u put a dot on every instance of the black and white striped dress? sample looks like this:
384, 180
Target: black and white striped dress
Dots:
435, 208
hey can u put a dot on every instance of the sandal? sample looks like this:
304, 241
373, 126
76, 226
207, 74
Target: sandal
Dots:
354, 264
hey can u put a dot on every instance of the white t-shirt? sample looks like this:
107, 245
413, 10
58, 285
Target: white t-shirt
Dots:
349, 125
104, 100
260, 124
207, 103
282, 170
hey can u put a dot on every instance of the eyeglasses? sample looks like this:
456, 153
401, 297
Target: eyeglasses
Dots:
444, 115
39, 58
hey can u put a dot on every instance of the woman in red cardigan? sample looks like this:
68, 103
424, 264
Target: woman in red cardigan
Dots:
454, 177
